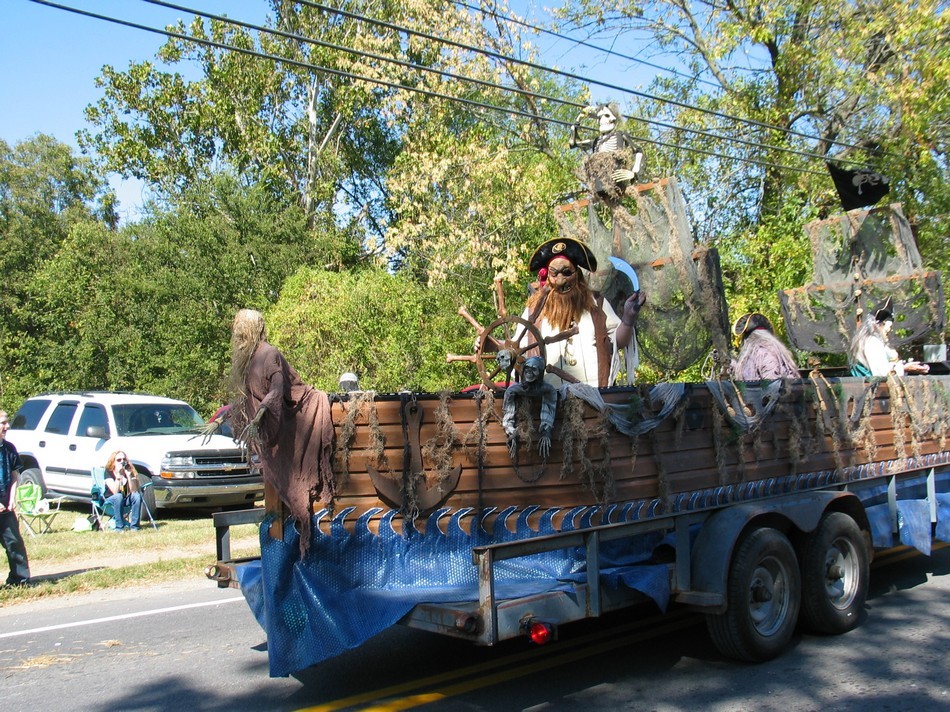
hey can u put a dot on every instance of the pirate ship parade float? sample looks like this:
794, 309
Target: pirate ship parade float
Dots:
453, 512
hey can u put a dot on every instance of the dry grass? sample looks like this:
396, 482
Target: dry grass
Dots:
66, 561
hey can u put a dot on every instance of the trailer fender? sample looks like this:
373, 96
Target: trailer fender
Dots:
716, 540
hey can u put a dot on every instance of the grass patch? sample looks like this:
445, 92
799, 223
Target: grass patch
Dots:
182, 546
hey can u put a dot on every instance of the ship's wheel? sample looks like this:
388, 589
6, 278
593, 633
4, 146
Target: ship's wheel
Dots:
503, 346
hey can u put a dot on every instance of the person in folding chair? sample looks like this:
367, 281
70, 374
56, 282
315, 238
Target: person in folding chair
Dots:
122, 491
10, 467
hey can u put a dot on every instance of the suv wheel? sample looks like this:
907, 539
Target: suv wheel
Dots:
32, 475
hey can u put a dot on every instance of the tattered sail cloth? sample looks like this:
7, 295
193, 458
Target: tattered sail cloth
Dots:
296, 435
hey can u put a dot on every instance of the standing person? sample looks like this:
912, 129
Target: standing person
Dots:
282, 419
122, 485
564, 300
762, 357
871, 353
10, 467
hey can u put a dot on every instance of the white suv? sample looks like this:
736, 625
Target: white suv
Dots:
62, 436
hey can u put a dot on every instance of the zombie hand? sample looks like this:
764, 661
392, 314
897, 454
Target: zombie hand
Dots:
209, 429
631, 308
513, 448
252, 430
544, 446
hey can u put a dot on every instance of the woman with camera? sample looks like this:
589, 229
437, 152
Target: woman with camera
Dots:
122, 485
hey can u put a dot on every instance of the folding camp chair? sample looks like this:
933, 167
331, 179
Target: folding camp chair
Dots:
97, 496
36, 512
101, 508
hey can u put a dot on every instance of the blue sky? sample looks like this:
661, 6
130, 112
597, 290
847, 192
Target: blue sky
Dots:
49, 59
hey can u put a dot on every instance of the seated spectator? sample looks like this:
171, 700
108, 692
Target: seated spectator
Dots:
871, 354
762, 357
122, 485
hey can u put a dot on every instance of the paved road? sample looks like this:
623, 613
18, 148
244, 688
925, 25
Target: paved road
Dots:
194, 647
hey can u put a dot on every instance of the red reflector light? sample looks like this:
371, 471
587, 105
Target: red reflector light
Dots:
539, 633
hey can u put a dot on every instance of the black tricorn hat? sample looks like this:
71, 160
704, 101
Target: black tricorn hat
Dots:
884, 311
747, 323
577, 252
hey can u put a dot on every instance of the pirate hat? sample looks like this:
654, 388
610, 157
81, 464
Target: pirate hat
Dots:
747, 323
578, 253
884, 311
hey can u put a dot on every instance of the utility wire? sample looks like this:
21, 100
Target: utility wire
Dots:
392, 85
568, 75
479, 82
584, 43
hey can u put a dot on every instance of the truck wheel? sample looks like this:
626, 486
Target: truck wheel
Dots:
763, 597
835, 571
148, 493
33, 475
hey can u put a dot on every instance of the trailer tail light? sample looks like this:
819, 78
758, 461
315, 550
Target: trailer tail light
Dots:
538, 632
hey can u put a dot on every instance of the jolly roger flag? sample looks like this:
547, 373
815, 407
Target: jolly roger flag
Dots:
858, 188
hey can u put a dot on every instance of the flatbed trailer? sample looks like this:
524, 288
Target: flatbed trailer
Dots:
755, 555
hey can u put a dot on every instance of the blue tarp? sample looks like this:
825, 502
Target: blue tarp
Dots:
352, 586
355, 584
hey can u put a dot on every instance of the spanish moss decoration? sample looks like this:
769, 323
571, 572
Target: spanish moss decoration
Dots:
440, 448
827, 421
575, 435
900, 417
377, 441
358, 402
525, 435
476, 433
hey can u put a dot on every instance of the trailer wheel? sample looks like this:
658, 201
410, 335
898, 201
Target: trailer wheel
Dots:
763, 597
835, 571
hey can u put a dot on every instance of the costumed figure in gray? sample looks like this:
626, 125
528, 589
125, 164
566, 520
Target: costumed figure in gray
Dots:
762, 357
532, 385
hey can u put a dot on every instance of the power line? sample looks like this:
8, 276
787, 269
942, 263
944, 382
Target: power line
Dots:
567, 75
583, 43
391, 85
479, 82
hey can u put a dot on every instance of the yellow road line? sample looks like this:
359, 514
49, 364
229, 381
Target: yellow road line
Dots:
534, 660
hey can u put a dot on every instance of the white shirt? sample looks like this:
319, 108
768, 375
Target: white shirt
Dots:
881, 359
577, 355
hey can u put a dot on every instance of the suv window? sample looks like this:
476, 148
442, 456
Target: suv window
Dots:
28, 417
156, 419
92, 416
61, 418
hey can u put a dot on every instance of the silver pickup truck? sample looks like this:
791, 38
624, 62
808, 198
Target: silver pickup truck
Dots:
62, 436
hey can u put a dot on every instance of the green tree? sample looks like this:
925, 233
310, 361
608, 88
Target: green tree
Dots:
389, 329
861, 82
45, 192
148, 308
433, 183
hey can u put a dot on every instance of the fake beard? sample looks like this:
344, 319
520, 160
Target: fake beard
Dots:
562, 309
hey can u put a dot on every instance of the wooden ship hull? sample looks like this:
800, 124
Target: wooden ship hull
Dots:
421, 453
425, 481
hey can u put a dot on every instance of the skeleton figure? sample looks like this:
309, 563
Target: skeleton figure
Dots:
532, 385
610, 140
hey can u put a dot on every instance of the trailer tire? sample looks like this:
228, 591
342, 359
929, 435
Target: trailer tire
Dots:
835, 572
763, 597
